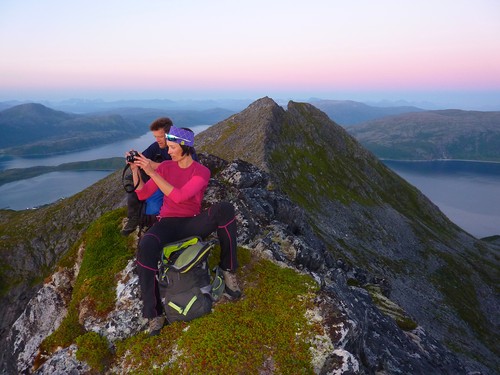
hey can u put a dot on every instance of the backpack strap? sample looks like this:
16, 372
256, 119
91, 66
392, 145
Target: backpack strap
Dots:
218, 284
185, 310
171, 248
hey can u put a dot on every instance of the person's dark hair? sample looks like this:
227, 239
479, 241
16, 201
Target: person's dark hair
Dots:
161, 123
187, 149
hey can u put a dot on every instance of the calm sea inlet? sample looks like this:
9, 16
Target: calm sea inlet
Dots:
50, 187
467, 192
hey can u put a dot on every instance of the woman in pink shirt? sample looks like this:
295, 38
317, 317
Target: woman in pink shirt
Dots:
183, 182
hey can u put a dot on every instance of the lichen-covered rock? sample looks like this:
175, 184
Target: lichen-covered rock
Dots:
64, 362
42, 315
126, 318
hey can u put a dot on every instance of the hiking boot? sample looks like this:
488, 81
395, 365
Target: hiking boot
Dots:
232, 290
130, 227
156, 324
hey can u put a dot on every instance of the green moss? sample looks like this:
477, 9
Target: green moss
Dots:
353, 282
93, 349
238, 337
106, 254
268, 323
389, 308
65, 334
5, 282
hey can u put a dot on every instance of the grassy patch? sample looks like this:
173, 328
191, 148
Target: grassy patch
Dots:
106, 254
93, 349
455, 280
265, 328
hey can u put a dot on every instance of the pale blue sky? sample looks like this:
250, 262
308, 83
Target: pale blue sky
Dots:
427, 50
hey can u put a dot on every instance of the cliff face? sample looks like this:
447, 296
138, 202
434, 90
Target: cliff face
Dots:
372, 219
33, 241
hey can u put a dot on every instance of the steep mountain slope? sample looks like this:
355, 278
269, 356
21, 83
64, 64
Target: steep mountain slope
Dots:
371, 218
348, 112
32, 242
446, 134
284, 323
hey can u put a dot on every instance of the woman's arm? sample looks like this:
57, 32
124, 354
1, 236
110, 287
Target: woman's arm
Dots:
198, 182
143, 190
150, 169
164, 186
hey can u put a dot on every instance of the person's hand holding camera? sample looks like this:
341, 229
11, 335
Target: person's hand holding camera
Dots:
139, 160
131, 157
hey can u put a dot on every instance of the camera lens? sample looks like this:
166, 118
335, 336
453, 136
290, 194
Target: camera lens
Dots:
131, 156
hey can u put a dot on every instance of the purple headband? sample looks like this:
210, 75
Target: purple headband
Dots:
181, 136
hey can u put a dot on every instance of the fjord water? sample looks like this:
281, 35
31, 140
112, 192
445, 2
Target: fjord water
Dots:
468, 192
49, 187
46, 188
116, 149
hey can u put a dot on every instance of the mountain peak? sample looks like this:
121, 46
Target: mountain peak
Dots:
367, 215
244, 135
34, 109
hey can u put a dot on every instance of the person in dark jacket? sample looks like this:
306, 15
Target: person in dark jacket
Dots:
156, 152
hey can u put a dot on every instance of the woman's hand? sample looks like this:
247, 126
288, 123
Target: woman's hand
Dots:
144, 163
131, 155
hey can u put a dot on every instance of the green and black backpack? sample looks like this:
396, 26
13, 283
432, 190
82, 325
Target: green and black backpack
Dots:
187, 289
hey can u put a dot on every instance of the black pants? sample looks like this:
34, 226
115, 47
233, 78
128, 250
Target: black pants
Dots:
134, 205
220, 217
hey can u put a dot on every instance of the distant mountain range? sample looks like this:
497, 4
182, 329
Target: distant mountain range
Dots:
34, 129
400, 132
92, 106
344, 112
348, 112
430, 135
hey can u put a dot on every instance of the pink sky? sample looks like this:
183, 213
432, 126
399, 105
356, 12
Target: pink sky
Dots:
168, 49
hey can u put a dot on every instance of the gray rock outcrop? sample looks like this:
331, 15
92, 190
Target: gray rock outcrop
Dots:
360, 339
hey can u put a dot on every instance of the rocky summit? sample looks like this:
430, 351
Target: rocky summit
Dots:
371, 219
402, 290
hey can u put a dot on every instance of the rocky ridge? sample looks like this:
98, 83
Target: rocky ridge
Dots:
33, 241
368, 216
359, 337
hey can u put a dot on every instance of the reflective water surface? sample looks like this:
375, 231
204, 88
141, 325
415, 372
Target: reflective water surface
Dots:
467, 192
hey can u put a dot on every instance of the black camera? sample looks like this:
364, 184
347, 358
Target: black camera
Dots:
131, 156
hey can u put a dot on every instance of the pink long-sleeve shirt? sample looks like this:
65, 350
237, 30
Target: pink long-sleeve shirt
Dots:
189, 186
